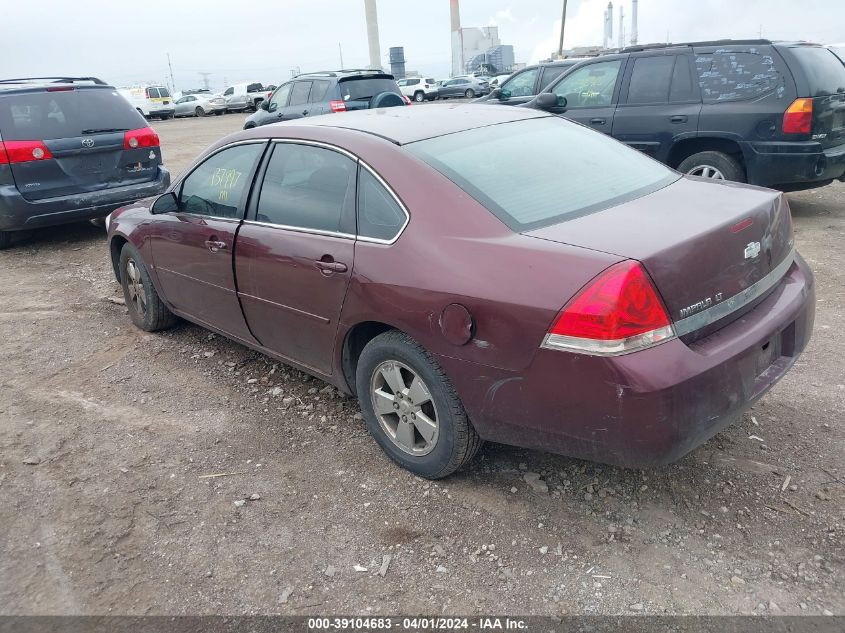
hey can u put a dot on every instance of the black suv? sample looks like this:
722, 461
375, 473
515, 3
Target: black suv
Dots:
71, 148
329, 91
524, 84
770, 114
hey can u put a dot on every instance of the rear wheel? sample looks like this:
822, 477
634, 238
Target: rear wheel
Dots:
5, 239
146, 309
419, 96
411, 408
199, 111
470, 93
713, 165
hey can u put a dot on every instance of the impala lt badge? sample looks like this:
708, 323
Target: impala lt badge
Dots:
752, 250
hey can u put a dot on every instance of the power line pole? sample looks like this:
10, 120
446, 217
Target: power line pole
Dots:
172, 82
340, 50
562, 26
205, 80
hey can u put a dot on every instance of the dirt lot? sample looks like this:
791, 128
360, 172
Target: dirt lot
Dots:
107, 431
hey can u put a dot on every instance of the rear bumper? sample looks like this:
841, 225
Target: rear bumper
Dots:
650, 407
799, 164
17, 213
163, 111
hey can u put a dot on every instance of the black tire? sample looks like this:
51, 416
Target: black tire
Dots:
457, 442
153, 315
470, 93
698, 164
419, 96
5, 240
199, 111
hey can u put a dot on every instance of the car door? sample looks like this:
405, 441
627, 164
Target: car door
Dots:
591, 91
298, 105
317, 102
192, 247
295, 251
659, 104
276, 107
184, 105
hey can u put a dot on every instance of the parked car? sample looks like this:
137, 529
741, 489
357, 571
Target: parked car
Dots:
468, 87
247, 96
839, 50
150, 101
71, 149
770, 114
522, 86
418, 89
326, 92
584, 298
200, 104
499, 79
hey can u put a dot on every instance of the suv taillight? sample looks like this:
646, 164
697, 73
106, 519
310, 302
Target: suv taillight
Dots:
142, 137
616, 313
406, 99
798, 118
337, 106
23, 151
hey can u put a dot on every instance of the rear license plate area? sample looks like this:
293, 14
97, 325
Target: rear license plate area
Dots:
768, 353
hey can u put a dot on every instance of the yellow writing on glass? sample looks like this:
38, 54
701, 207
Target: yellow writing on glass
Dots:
225, 179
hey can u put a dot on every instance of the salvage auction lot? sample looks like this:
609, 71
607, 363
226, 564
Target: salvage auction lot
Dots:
182, 473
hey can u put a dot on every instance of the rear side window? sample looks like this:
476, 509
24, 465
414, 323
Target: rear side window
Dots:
50, 115
650, 80
734, 74
542, 171
365, 89
379, 215
319, 88
412, 82
300, 91
307, 187
217, 186
551, 73
825, 72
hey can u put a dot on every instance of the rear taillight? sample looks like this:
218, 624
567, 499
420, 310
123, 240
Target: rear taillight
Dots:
616, 313
406, 99
142, 137
337, 106
23, 151
798, 118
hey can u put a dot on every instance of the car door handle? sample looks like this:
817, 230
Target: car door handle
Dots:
679, 118
305, 113
215, 245
598, 121
327, 268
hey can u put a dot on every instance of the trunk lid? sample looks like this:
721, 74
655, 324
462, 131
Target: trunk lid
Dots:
83, 128
701, 242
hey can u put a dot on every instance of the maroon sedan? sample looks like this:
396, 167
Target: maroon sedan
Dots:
480, 273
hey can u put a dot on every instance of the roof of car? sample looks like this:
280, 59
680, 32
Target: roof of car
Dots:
403, 125
31, 83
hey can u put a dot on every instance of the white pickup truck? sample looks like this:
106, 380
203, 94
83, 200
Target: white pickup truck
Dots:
247, 96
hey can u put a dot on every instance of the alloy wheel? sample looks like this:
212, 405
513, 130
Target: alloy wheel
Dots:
404, 407
706, 171
135, 288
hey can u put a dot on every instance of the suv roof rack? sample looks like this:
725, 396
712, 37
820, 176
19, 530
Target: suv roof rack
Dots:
647, 47
54, 80
342, 71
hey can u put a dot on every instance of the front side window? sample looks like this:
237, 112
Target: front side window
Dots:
280, 97
307, 187
522, 85
379, 215
590, 86
542, 171
229, 91
216, 188
300, 91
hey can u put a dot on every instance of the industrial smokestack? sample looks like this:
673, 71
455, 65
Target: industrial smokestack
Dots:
372, 33
457, 38
621, 26
634, 33
610, 23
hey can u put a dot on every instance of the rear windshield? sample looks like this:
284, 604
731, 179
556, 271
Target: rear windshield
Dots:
163, 92
825, 72
542, 171
47, 115
366, 88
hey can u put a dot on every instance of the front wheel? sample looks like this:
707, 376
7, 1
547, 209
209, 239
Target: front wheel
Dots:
411, 408
713, 165
470, 93
146, 309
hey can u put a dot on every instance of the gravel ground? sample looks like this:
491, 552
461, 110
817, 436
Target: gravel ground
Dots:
107, 435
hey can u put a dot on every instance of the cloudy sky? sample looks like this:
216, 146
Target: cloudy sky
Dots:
125, 42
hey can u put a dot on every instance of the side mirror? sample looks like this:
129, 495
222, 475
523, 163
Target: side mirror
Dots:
496, 93
271, 107
548, 101
165, 203
265, 105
